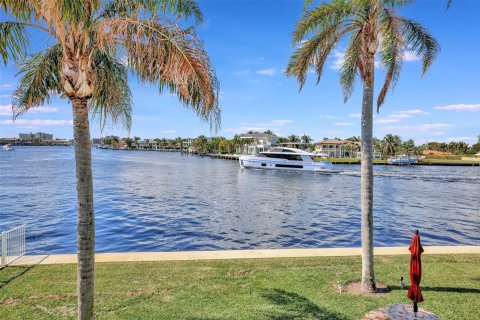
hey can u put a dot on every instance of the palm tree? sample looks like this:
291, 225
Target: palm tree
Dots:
91, 40
408, 146
391, 144
373, 27
293, 138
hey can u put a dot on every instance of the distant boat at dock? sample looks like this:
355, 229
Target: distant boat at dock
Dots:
8, 147
402, 160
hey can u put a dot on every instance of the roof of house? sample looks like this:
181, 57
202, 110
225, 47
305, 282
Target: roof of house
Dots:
257, 135
337, 142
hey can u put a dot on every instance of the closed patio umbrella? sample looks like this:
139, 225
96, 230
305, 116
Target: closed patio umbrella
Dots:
414, 293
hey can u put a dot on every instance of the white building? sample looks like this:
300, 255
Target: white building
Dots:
338, 148
258, 142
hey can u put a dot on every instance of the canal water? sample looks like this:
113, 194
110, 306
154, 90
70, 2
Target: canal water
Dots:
159, 201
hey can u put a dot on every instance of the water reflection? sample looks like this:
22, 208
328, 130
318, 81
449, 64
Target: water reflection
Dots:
151, 201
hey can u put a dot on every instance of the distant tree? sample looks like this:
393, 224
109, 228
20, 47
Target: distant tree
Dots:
408, 146
268, 132
391, 144
200, 144
306, 139
354, 139
293, 138
129, 142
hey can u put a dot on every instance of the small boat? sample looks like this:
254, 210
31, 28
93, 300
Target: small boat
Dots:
287, 159
402, 160
8, 147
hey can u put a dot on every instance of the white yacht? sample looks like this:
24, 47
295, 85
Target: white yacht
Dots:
287, 159
7, 147
402, 160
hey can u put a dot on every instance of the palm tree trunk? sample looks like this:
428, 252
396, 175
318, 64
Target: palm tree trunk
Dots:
368, 277
85, 216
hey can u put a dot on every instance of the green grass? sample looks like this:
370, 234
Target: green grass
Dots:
238, 289
450, 161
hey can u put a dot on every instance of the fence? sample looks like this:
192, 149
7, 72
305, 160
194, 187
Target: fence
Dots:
13, 245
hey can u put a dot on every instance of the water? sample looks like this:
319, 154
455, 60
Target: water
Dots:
155, 201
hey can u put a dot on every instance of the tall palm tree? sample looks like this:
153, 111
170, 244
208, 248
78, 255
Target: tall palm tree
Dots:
374, 28
95, 43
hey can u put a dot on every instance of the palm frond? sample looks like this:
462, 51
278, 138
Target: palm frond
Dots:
13, 41
322, 17
352, 61
391, 52
77, 11
421, 42
168, 56
177, 8
20, 9
313, 52
111, 98
39, 78
181, 8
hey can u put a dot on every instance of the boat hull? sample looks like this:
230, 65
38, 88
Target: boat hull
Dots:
405, 161
289, 165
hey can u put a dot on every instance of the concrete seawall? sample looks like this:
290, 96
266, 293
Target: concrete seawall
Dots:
239, 254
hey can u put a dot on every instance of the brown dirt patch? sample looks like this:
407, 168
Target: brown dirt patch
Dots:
63, 311
356, 288
10, 301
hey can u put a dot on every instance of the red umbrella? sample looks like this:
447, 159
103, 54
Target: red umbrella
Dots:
414, 293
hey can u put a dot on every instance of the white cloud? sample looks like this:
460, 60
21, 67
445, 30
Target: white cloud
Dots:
385, 120
338, 60
354, 115
241, 73
342, 124
426, 127
410, 56
412, 111
38, 122
464, 139
396, 116
328, 116
5, 85
6, 110
169, 131
281, 122
274, 126
5, 96
267, 72
460, 107
244, 129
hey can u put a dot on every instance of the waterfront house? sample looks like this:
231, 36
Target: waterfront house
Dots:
257, 142
187, 145
338, 148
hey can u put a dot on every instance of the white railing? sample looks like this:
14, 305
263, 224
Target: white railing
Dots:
13, 245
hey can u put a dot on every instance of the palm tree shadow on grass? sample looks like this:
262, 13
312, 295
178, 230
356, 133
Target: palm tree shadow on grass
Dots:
291, 305
19, 271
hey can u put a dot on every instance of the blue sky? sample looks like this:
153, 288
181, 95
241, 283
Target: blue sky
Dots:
249, 43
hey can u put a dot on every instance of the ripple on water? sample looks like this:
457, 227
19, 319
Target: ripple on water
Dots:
152, 201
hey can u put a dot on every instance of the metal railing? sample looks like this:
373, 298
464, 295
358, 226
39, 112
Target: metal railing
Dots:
13, 245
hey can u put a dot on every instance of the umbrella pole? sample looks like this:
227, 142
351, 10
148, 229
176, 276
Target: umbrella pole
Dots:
415, 308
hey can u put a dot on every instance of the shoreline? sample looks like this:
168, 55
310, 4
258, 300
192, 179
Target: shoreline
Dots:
239, 254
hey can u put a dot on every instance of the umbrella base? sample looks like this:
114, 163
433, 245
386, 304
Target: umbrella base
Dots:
399, 312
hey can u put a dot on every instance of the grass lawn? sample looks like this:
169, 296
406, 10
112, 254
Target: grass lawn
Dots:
448, 161
287, 288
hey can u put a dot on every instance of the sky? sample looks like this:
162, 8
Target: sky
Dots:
249, 43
